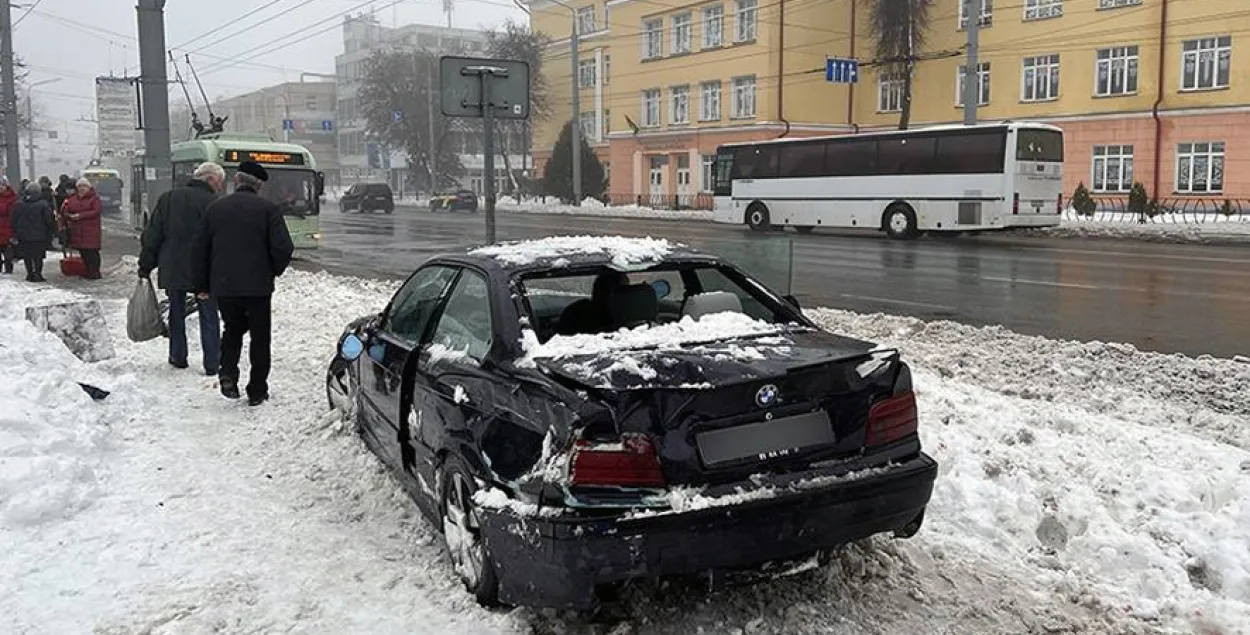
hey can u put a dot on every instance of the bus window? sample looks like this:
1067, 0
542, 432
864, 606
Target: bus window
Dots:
1039, 145
802, 159
755, 162
856, 157
183, 171
971, 153
914, 155
722, 184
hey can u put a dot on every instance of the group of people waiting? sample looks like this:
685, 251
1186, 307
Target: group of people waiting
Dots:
35, 214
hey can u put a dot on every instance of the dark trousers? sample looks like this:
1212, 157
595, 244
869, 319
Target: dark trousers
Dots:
34, 269
6, 258
91, 262
210, 331
246, 315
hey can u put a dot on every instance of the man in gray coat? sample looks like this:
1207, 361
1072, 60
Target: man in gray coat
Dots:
166, 246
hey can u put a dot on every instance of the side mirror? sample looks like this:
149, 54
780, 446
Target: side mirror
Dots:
321, 184
662, 288
792, 300
350, 347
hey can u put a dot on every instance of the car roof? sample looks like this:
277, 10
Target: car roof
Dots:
572, 252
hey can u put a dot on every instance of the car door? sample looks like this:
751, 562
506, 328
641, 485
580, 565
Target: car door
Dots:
387, 349
451, 388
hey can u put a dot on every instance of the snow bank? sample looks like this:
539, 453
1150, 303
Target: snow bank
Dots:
593, 207
1204, 233
624, 253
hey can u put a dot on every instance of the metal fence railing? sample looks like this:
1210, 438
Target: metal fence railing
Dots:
1175, 210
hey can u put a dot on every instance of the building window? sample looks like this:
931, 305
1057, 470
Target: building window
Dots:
1041, 78
311, 103
889, 93
589, 130
1113, 168
1041, 9
713, 26
607, 68
681, 105
707, 164
681, 33
1200, 167
586, 73
607, 123
586, 19
983, 75
607, 16
744, 18
987, 12
709, 105
1205, 63
651, 108
1111, 4
744, 97
1117, 71
652, 39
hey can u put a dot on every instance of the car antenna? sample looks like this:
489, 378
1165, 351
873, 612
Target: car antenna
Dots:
196, 124
215, 123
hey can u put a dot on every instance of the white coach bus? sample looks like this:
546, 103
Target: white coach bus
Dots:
942, 179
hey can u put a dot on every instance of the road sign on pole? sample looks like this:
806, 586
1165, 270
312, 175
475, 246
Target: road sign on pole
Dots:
841, 71
288, 124
327, 125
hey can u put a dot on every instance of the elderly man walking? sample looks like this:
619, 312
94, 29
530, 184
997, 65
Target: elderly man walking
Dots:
166, 247
241, 247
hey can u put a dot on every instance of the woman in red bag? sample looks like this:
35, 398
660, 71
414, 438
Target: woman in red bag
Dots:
8, 198
81, 213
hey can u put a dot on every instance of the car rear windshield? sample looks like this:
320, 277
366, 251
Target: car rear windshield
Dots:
599, 299
378, 189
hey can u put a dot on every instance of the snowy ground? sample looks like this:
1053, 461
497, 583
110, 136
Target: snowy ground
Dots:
1211, 229
1085, 488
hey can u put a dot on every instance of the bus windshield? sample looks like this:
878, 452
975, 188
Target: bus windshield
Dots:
107, 186
1039, 145
292, 190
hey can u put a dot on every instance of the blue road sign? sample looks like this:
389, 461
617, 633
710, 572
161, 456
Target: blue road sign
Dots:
327, 125
397, 116
288, 124
841, 71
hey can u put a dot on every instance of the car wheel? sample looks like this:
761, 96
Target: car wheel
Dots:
900, 222
462, 533
757, 217
342, 389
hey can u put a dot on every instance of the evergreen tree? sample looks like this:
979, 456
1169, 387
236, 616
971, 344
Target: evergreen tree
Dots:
558, 176
1082, 202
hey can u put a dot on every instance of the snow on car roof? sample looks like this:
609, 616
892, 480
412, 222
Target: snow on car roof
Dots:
620, 252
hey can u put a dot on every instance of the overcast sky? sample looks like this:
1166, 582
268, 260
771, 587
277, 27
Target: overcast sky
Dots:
74, 41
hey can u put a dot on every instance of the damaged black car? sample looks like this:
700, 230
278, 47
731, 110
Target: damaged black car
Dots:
578, 413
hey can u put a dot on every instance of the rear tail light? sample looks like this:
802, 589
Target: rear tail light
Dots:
892, 419
630, 463
1059, 205
1015, 203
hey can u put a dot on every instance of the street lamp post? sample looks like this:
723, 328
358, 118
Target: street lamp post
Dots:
30, 127
576, 148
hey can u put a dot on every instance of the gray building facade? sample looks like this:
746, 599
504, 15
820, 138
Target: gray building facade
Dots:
294, 112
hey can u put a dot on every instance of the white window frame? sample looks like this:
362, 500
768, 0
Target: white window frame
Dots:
983, 84
683, 32
1187, 155
1042, 9
607, 68
706, 111
1045, 72
713, 15
987, 13
889, 93
1122, 60
607, 16
707, 172
743, 97
586, 19
1108, 160
679, 105
590, 128
1206, 51
746, 23
1115, 4
652, 38
586, 73
651, 108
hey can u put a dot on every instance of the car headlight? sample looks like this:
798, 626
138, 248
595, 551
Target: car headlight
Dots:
315, 236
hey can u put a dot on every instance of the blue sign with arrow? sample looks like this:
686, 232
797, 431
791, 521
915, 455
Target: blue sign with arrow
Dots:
288, 124
327, 125
840, 71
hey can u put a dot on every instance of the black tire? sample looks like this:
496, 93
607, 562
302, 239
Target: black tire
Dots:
899, 222
460, 521
757, 217
804, 229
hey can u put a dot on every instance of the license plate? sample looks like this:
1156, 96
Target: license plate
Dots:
765, 440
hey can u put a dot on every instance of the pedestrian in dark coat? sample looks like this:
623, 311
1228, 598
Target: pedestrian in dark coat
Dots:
166, 246
64, 190
49, 194
81, 214
8, 198
242, 245
33, 227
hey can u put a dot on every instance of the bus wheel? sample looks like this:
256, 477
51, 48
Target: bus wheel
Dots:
757, 217
899, 222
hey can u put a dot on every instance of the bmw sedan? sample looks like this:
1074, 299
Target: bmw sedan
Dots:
575, 413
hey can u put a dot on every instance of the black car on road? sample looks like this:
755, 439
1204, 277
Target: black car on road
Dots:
460, 200
368, 197
575, 413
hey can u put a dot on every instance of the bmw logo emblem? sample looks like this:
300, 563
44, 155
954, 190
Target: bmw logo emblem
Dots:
766, 396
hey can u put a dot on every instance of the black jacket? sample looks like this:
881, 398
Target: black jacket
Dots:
241, 247
170, 234
33, 226
49, 195
64, 190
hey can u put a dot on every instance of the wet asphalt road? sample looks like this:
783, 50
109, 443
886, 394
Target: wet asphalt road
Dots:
1192, 299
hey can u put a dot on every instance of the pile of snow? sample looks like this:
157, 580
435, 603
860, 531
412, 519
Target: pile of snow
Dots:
594, 207
624, 253
686, 331
1203, 233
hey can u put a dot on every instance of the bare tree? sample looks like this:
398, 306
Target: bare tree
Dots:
899, 28
517, 42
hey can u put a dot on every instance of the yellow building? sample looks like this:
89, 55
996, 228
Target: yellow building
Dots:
664, 82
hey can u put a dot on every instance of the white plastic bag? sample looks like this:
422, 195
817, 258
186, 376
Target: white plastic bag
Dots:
143, 317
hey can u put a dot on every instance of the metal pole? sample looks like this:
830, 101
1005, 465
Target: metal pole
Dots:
30, 137
577, 115
488, 141
429, 88
155, 87
8, 101
972, 78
